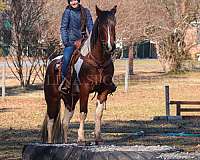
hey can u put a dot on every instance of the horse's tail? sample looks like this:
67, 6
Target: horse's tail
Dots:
57, 128
44, 130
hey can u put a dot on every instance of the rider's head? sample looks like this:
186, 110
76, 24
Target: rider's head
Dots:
74, 3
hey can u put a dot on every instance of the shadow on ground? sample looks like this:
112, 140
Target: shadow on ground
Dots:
3, 110
114, 132
16, 90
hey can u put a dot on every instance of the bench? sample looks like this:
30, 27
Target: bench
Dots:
180, 109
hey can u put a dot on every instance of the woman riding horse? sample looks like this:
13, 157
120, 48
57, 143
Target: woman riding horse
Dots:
95, 74
74, 22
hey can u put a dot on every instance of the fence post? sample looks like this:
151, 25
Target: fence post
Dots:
167, 100
178, 110
126, 76
3, 80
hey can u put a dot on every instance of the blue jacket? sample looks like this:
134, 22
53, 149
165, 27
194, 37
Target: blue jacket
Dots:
71, 25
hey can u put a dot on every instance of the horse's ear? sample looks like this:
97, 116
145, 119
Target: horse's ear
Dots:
98, 11
114, 9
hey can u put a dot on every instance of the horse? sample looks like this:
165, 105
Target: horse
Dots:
94, 74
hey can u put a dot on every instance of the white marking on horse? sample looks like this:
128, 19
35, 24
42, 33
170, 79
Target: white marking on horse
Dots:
98, 115
56, 58
109, 40
86, 47
66, 120
50, 129
85, 50
78, 65
81, 136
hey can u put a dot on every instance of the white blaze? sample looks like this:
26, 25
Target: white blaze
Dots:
109, 40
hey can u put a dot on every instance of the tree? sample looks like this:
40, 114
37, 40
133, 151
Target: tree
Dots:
26, 16
176, 17
2, 6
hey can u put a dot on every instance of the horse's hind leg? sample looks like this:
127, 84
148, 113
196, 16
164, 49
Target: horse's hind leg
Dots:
53, 109
68, 114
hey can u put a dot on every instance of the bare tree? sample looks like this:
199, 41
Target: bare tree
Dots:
2, 6
174, 20
26, 16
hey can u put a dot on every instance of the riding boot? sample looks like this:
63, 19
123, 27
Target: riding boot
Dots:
65, 85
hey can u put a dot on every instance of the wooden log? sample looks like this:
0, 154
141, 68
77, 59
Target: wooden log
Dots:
74, 152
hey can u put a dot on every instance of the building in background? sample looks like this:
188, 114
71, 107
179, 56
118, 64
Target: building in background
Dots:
142, 49
146, 49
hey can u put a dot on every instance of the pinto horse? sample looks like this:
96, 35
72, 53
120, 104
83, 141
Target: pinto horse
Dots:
94, 74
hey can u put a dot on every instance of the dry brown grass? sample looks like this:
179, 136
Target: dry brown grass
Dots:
22, 112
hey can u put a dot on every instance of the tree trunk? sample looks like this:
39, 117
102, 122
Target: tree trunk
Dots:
20, 64
130, 58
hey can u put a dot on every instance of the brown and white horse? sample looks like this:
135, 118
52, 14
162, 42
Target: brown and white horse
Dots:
94, 73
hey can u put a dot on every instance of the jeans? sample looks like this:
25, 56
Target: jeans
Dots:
68, 51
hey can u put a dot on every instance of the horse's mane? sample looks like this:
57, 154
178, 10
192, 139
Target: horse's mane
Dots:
95, 33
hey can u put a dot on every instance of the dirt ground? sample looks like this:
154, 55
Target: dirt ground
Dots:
22, 111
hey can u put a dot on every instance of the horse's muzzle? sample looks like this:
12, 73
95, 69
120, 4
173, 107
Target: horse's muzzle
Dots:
111, 49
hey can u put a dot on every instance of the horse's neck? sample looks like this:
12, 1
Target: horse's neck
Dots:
98, 54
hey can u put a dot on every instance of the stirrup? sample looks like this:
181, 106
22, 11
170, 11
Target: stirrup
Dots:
62, 87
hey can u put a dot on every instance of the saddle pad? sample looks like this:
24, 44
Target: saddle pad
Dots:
86, 47
77, 65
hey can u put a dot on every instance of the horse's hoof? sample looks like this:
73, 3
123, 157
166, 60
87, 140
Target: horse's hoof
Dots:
81, 143
99, 142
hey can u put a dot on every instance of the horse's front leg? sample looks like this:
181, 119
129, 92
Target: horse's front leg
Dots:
84, 94
100, 106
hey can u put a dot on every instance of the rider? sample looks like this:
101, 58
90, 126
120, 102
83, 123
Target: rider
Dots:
74, 22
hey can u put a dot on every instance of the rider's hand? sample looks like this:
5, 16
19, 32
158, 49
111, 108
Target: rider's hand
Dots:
78, 43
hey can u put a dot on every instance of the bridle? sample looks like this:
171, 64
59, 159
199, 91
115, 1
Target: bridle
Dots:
104, 43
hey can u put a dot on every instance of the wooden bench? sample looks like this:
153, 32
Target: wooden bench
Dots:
180, 109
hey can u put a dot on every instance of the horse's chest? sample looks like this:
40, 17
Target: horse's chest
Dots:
90, 74
95, 76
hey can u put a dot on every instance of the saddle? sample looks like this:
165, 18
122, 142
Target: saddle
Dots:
71, 80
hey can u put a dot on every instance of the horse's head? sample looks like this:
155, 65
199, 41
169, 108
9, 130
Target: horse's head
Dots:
105, 29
